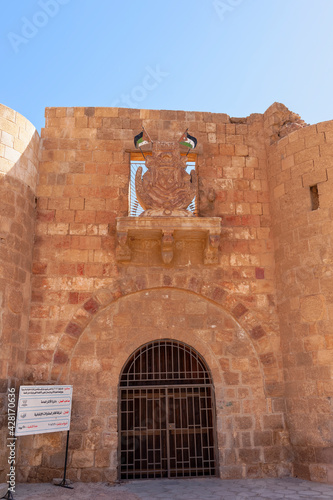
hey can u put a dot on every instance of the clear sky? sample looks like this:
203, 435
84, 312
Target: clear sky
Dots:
229, 56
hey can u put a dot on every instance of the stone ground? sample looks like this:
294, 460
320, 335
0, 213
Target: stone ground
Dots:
182, 489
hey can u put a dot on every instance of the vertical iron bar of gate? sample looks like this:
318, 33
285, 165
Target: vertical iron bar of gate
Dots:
176, 414
167, 429
164, 432
119, 433
153, 440
194, 433
183, 392
210, 422
216, 449
201, 430
146, 431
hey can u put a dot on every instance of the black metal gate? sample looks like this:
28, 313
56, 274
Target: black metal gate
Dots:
167, 413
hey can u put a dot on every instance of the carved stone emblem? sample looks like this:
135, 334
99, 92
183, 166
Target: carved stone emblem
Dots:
166, 189
166, 233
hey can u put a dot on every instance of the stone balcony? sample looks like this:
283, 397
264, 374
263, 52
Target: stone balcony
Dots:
168, 240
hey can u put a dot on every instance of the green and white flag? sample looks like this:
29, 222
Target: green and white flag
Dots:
188, 140
141, 139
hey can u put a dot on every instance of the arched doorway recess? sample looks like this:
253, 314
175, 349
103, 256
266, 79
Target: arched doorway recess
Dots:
166, 413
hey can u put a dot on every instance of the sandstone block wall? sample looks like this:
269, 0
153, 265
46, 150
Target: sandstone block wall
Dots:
303, 256
83, 188
19, 150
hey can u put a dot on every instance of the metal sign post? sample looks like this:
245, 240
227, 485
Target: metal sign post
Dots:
8, 495
63, 483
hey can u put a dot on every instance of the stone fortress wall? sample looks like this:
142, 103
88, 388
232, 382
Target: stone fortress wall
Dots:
303, 258
260, 317
19, 163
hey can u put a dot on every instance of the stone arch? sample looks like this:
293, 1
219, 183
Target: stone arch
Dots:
142, 333
259, 334
132, 321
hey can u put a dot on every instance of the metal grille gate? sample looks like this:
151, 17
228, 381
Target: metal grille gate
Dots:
167, 413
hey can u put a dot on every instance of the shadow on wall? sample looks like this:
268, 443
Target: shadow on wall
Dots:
19, 156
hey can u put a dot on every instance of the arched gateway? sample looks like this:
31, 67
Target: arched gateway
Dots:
166, 413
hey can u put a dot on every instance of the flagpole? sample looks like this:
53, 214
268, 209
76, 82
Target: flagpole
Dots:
142, 153
148, 135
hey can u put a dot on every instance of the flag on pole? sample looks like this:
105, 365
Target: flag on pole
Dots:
141, 139
188, 140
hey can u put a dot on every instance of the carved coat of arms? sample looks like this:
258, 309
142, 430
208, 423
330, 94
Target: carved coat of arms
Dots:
166, 188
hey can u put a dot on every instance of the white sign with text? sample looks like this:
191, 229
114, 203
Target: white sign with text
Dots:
44, 408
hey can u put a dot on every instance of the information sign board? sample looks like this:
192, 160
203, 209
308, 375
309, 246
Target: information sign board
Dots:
44, 408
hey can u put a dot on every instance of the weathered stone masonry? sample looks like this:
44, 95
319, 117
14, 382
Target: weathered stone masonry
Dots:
71, 313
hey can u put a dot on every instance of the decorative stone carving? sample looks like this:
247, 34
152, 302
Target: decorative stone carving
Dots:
166, 189
166, 233
123, 252
207, 198
169, 235
167, 246
212, 248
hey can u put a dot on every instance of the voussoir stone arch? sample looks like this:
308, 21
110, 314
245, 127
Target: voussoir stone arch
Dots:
259, 334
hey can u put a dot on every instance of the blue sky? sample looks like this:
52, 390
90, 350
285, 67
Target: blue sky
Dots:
229, 56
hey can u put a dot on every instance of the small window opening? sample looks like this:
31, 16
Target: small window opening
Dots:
314, 197
134, 208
